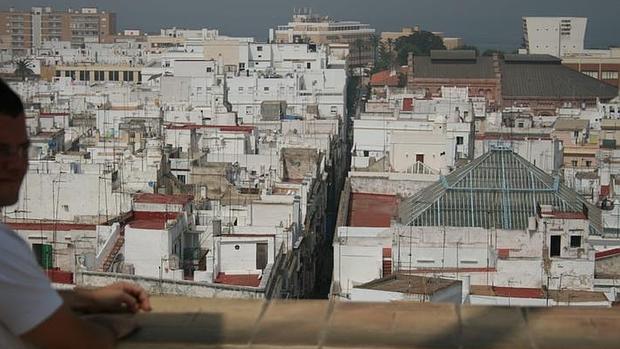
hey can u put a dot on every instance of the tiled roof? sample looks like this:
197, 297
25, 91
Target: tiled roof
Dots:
385, 78
480, 68
608, 253
542, 79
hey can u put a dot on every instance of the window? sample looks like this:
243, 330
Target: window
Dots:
610, 75
574, 163
366, 153
333, 109
266, 89
520, 125
419, 158
259, 48
592, 74
209, 69
240, 88
309, 65
99, 75
248, 110
588, 163
459, 140
556, 246
575, 241
128, 76
241, 66
113, 75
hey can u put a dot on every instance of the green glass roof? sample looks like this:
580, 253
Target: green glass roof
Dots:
500, 189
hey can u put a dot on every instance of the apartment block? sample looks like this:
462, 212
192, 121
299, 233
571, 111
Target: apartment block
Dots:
309, 28
22, 30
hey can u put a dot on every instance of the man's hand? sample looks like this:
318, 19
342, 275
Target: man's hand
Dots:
117, 298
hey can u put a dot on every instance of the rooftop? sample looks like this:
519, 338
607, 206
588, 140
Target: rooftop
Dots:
528, 78
50, 226
500, 189
252, 280
372, 210
222, 323
148, 198
386, 78
476, 68
520, 292
570, 124
409, 284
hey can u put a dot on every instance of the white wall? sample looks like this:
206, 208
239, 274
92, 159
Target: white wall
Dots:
149, 250
358, 256
243, 260
556, 36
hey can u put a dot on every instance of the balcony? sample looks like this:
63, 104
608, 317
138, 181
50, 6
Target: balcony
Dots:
226, 323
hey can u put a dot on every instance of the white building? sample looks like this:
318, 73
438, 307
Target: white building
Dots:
556, 36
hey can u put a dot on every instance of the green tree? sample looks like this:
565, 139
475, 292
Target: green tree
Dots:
359, 45
375, 43
23, 68
420, 43
469, 48
491, 52
385, 59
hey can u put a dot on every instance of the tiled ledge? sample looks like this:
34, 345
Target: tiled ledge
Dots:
224, 323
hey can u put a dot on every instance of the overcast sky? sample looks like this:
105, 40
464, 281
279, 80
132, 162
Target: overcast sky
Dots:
485, 23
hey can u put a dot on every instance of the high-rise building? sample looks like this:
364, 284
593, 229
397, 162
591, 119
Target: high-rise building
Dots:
557, 36
21, 31
309, 28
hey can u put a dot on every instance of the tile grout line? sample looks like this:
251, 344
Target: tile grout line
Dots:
260, 317
459, 317
530, 338
328, 316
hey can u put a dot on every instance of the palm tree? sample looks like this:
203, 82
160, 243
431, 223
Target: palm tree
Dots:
374, 41
23, 68
359, 44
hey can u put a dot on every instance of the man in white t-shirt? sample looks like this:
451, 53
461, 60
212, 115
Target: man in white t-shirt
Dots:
31, 312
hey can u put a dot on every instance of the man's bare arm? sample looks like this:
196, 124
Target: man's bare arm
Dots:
64, 329
116, 298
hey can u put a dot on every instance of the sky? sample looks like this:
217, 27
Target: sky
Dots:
484, 23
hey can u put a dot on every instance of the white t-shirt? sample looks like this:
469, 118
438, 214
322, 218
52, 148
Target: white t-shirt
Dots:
26, 295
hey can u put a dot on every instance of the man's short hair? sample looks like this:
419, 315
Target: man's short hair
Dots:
10, 104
